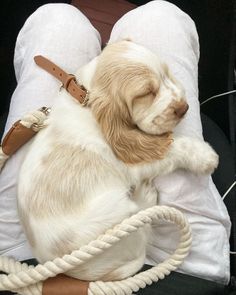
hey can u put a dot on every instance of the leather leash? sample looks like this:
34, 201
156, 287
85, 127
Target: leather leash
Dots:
16, 137
68, 80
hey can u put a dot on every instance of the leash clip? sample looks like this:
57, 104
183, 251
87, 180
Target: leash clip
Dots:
86, 99
45, 110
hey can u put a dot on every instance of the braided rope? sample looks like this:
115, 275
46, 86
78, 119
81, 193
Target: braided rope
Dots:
35, 120
27, 280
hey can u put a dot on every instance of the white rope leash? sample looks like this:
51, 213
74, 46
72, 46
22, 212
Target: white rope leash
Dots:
35, 120
27, 280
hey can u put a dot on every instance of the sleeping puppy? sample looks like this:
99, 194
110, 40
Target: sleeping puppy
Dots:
93, 166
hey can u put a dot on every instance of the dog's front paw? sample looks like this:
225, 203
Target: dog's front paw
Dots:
206, 160
145, 194
211, 163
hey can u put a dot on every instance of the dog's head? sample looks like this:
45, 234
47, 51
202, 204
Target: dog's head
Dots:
136, 101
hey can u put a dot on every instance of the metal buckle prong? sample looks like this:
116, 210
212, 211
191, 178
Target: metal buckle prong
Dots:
86, 99
45, 110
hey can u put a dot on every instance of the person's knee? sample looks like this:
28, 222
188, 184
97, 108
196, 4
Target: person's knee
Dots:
157, 13
60, 15
165, 8
55, 8
162, 6
155, 22
61, 11
56, 24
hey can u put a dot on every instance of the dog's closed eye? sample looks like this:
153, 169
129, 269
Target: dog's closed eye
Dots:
146, 95
144, 100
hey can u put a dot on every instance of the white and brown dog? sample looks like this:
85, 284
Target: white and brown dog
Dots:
93, 166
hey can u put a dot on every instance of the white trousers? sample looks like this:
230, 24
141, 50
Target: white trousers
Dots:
64, 35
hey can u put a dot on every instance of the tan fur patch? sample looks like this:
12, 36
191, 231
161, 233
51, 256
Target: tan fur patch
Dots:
67, 174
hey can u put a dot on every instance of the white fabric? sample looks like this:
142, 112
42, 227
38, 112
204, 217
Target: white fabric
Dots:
169, 32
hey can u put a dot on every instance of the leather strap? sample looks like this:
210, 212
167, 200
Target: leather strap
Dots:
64, 285
68, 80
17, 136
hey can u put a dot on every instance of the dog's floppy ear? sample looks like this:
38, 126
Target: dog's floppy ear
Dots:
130, 144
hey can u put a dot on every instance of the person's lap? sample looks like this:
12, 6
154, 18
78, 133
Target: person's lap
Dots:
63, 34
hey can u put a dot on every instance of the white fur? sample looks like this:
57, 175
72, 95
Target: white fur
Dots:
70, 207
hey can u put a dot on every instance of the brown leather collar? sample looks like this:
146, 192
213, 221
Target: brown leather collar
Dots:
68, 80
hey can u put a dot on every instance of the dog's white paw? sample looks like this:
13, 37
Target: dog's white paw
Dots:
210, 164
205, 160
145, 194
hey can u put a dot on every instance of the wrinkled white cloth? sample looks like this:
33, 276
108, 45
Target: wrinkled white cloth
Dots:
63, 34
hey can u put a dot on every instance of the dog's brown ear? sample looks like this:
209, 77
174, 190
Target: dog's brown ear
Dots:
133, 146
130, 144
